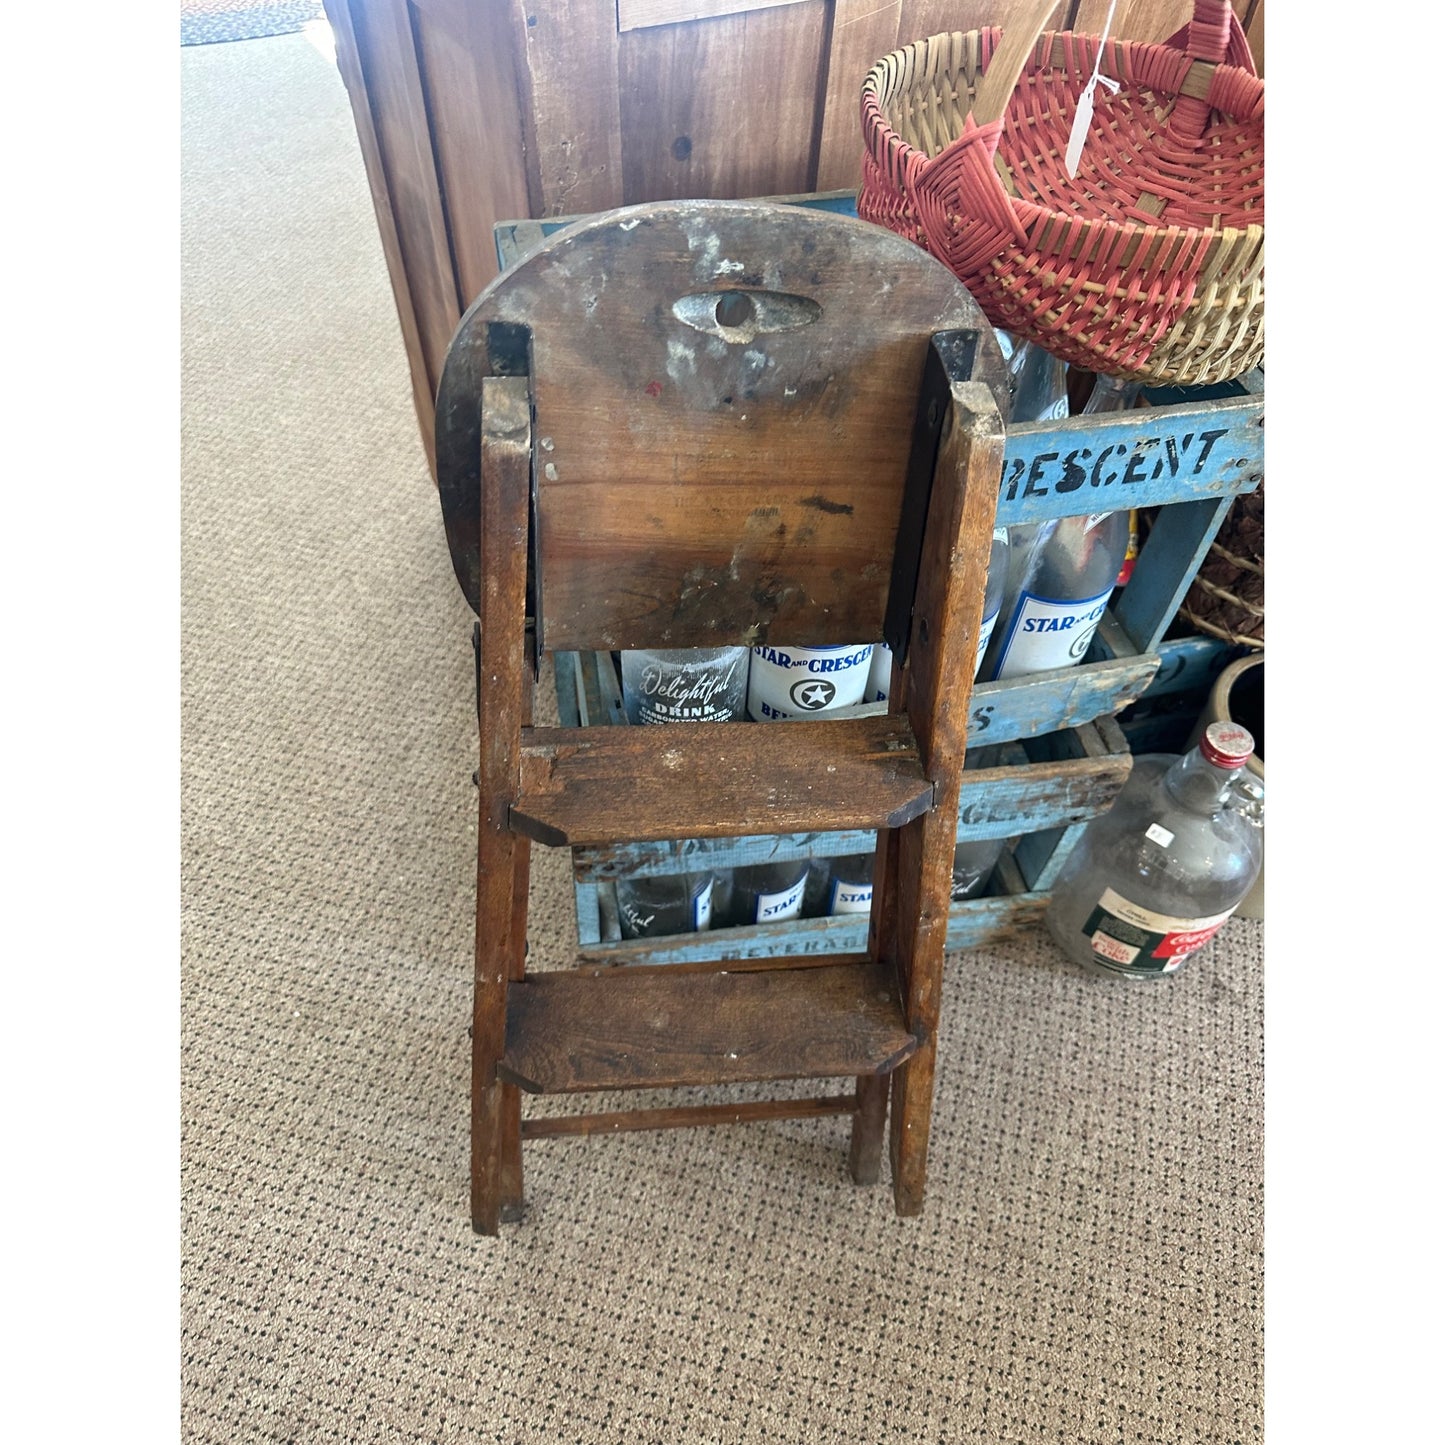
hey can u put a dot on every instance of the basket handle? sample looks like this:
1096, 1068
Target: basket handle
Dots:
1209, 35
1008, 61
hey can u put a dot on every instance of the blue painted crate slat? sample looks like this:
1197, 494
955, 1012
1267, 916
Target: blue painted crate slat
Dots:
1152, 456
1065, 697
1181, 536
977, 921
589, 913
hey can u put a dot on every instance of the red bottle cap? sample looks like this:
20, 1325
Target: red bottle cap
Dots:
1226, 744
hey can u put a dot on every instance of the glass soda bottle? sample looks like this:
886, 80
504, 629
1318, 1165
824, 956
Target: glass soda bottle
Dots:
975, 858
881, 674
973, 865
760, 893
1061, 572
1038, 384
694, 684
1151, 881
705, 684
850, 884
998, 556
670, 903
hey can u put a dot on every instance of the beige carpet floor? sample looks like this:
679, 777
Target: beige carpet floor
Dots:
1089, 1264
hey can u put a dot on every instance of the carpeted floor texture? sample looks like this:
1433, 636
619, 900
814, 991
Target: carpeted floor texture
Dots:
1089, 1264
209, 22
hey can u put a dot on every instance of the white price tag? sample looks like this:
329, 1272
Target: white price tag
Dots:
1158, 834
1084, 113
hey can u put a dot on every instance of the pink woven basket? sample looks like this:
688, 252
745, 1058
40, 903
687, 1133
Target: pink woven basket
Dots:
1149, 263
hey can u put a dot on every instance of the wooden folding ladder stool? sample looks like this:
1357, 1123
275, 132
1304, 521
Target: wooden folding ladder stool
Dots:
692, 424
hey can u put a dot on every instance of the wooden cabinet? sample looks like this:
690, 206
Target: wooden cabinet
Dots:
473, 111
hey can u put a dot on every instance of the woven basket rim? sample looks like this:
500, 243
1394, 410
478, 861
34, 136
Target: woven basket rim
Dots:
1091, 44
876, 125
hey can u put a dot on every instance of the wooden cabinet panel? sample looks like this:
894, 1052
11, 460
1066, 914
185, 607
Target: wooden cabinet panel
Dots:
570, 105
725, 107
377, 65
464, 57
638, 14
473, 111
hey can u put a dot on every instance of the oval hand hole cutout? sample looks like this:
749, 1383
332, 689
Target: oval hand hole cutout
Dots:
740, 316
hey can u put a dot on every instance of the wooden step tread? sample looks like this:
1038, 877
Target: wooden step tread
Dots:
589, 786
646, 1028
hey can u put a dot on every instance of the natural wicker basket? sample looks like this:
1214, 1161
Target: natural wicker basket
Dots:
1150, 262
1226, 598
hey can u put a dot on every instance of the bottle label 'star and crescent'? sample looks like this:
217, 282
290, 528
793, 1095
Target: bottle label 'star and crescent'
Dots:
776, 907
1044, 633
786, 682
850, 897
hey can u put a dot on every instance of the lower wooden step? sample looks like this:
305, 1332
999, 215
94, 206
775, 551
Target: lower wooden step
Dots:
574, 1032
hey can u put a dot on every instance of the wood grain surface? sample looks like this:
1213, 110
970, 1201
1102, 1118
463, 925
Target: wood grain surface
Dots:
707, 780
571, 1032
706, 475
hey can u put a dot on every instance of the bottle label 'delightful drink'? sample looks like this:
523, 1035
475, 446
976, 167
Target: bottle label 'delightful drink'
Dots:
1129, 938
687, 696
705, 685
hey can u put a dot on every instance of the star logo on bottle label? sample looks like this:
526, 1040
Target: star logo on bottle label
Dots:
812, 694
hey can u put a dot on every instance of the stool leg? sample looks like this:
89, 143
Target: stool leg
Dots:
511, 1153
486, 1151
511, 1139
912, 1112
925, 857
865, 1146
865, 1149
503, 865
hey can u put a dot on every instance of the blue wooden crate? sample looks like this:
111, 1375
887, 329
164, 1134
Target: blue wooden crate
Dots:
1030, 790
1189, 453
